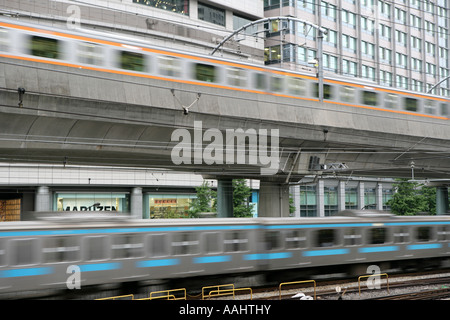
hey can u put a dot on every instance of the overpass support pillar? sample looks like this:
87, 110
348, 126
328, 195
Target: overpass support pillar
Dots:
224, 198
136, 203
42, 200
273, 199
442, 205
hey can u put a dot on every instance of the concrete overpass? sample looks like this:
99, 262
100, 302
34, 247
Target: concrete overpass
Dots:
67, 115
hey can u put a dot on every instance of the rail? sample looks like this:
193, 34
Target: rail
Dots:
297, 282
373, 275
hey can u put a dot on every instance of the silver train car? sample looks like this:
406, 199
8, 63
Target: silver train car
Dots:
109, 54
41, 255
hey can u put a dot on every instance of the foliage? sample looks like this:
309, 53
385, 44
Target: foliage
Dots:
291, 204
241, 193
412, 198
206, 200
205, 197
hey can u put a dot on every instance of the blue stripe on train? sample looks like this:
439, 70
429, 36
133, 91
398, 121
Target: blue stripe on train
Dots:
26, 272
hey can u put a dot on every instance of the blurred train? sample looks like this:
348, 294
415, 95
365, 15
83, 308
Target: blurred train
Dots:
39, 254
109, 53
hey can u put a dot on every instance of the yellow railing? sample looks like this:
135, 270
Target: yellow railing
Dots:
297, 282
218, 289
169, 294
226, 292
373, 275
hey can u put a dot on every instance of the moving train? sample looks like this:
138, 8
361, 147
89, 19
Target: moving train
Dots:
37, 255
113, 54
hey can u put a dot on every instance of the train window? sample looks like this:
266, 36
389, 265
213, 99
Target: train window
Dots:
377, 236
401, 235
296, 86
236, 241
443, 233
390, 101
276, 84
296, 239
369, 98
352, 237
44, 47
236, 77
260, 80
205, 72
348, 94
23, 252
430, 106
90, 53
424, 234
169, 66
212, 241
185, 243
127, 246
4, 41
60, 249
410, 104
327, 91
273, 240
95, 248
132, 61
158, 245
326, 238
444, 109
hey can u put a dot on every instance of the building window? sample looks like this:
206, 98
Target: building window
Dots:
307, 5
239, 22
349, 68
308, 203
177, 6
211, 14
330, 62
328, 10
370, 198
271, 4
349, 43
92, 202
169, 205
349, 18
330, 201
387, 195
351, 198
272, 55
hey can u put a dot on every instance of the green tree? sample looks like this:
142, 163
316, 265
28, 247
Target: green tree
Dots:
205, 197
241, 192
291, 204
412, 198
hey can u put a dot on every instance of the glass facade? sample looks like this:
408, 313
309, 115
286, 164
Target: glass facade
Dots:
330, 201
159, 206
308, 201
211, 14
351, 198
119, 202
177, 6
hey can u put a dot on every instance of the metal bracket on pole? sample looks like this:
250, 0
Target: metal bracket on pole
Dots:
185, 109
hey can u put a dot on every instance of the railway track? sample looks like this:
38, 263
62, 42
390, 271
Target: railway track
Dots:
420, 295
